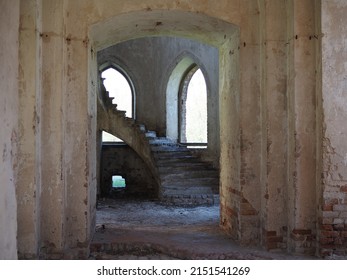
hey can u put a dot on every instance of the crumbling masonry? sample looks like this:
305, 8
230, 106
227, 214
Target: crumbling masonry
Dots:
277, 108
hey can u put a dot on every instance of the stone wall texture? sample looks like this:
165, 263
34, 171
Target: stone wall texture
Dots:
9, 24
281, 117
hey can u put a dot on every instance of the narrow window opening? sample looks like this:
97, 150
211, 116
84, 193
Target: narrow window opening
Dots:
118, 182
120, 90
108, 137
193, 125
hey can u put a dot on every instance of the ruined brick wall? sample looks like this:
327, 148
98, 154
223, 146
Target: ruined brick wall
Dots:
333, 198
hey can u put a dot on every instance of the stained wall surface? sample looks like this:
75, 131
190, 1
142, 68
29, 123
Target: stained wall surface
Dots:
281, 90
9, 24
333, 219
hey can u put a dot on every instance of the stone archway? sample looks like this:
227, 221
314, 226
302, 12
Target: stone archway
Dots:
199, 27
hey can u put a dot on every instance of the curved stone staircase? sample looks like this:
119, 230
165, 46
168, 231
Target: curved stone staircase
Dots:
185, 179
182, 177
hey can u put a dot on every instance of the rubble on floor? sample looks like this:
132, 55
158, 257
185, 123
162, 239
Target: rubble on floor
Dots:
137, 230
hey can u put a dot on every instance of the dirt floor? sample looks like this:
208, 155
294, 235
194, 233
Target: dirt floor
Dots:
135, 229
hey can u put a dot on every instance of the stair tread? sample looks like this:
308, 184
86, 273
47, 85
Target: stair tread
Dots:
185, 171
172, 154
200, 187
189, 193
185, 166
193, 188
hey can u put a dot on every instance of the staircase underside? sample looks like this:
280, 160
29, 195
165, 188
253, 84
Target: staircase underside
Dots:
183, 178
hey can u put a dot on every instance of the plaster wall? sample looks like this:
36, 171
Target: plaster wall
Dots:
303, 113
333, 221
28, 183
270, 111
52, 206
9, 24
274, 156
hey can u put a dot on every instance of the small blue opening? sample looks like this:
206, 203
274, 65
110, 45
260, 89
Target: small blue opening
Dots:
118, 182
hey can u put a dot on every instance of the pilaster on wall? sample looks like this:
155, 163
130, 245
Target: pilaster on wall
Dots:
250, 124
28, 184
53, 184
66, 135
9, 25
302, 139
79, 117
53, 195
230, 195
332, 221
274, 125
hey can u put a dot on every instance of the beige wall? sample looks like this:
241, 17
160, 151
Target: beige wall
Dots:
333, 219
29, 83
9, 24
271, 97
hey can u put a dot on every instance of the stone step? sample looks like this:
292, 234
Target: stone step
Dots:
120, 113
167, 148
168, 180
208, 188
151, 134
178, 160
183, 163
185, 179
189, 200
178, 154
130, 120
142, 127
194, 171
207, 181
162, 141
179, 190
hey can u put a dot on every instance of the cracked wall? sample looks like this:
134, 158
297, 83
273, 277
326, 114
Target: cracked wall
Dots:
333, 218
282, 117
9, 24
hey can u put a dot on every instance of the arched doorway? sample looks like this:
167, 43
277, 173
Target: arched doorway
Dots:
120, 90
220, 34
193, 109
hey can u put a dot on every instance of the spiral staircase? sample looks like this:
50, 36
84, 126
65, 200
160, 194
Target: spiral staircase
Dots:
182, 177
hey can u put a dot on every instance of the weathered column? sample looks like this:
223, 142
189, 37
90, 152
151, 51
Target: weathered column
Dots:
333, 211
229, 135
274, 124
79, 119
302, 138
53, 192
9, 25
28, 182
68, 124
250, 123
